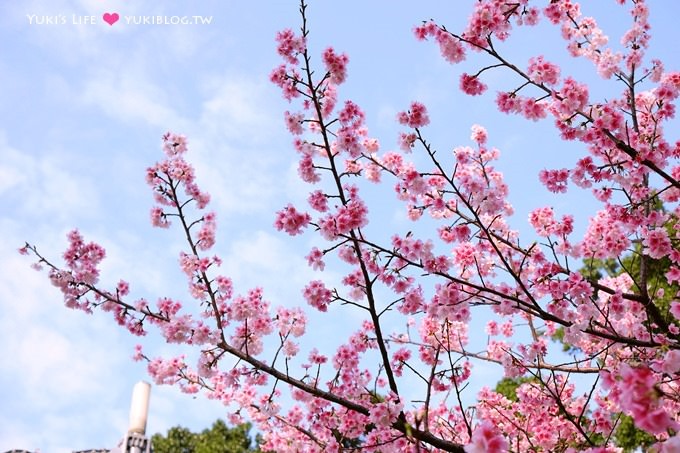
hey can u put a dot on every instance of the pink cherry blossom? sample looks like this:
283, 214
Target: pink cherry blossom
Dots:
291, 220
206, 235
318, 201
656, 242
336, 65
159, 218
415, 117
555, 180
289, 45
174, 144
471, 85
542, 71
485, 439
508, 103
386, 412
317, 295
478, 134
294, 122
286, 80
533, 110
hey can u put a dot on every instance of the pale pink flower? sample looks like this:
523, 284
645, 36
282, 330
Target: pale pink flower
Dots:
478, 134
486, 439
286, 80
508, 102
316, 358
174, 144
671, 362
294, 122
671, 445
451, 48
158, 218
407, 141
675, 309
386, 412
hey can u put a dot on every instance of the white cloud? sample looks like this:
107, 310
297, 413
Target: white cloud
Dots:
262, 256
183, 42
12, 166
43, 188
129, 97
236, 108
233, 142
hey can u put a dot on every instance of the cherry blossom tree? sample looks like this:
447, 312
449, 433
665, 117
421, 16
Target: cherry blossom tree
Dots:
397, 383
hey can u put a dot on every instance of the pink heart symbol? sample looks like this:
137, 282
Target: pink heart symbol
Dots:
111, 18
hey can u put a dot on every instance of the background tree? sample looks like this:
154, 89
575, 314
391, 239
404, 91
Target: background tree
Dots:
218, 439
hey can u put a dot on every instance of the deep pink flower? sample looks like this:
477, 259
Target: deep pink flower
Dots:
555, 180
415, 117
542, 71
656, 242
317, 295
471, 85
289, 45
291, 220
318, 201
533, 110
336, 65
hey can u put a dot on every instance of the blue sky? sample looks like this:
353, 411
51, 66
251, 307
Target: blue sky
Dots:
83, 108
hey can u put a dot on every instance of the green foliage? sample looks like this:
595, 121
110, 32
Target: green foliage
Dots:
656, 279
628, 437
179, 440
595, 269
217, 439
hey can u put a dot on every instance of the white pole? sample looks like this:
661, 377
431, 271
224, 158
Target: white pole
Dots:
139, 408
